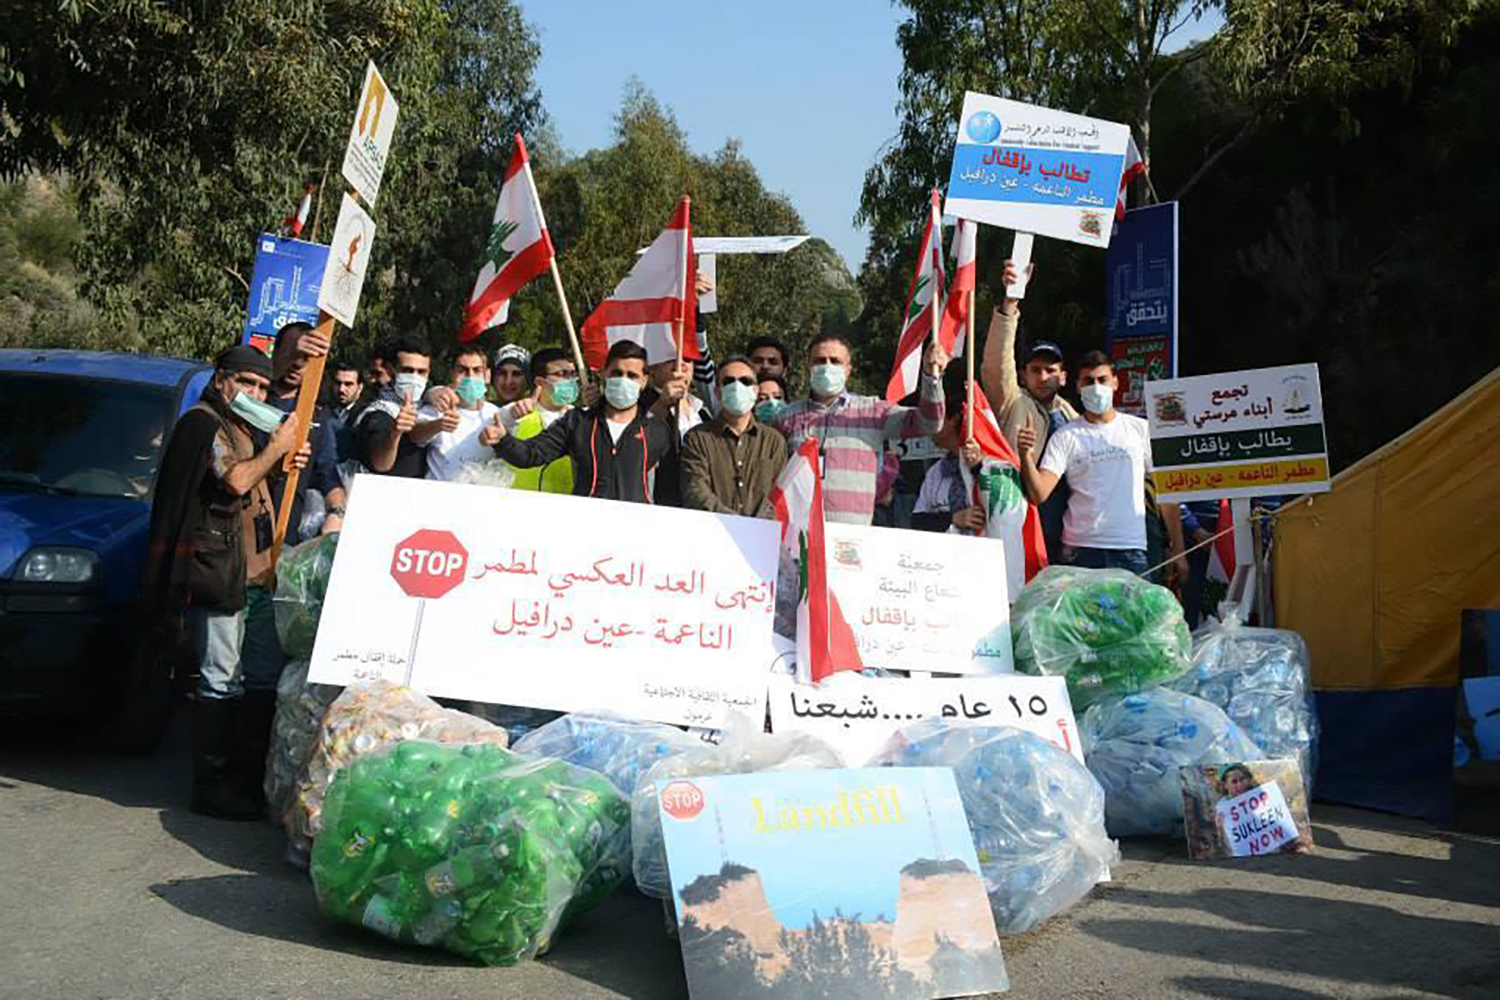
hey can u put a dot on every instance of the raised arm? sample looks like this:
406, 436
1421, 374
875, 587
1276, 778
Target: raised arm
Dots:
926, 417
997, 367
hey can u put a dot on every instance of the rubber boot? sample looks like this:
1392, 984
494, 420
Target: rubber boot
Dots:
214, 791
252, 743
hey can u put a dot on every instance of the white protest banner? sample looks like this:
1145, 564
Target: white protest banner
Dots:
1036, 170
1238, 434
1257, 822
370, 137
918, 600
856, 715
548, 601
348, 258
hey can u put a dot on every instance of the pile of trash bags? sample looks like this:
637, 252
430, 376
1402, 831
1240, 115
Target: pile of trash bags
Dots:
363, 719
1107, 631
1036, 814
743, 749
300, 708
620, 749
1134, 745
301, 582
1261, 678
476, 849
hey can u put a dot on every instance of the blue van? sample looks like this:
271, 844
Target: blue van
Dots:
81, 437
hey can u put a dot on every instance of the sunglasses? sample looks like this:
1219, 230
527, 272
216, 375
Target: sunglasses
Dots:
741, 379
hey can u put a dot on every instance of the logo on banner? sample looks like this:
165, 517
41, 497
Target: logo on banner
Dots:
429, 563
682, 800
983, 127
1091, 224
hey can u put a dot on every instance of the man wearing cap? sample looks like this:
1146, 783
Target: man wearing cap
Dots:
1033, 400
508, 373
209, 573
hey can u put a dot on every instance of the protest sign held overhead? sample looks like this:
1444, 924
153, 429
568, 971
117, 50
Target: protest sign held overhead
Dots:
370, 136
1140, 302
284, 287
559, 602
1035, 170
348, 259
517, 249
1238, 434
654, 305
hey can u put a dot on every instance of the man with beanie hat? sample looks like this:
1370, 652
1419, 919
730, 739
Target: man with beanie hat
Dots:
509, 373
209, 573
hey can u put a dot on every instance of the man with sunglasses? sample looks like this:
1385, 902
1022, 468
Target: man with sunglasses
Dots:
730, 463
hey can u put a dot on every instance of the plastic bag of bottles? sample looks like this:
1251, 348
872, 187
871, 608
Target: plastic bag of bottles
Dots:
492, 473
620, 749
300, 708
301, 581
1134, 745
366, 718
1036, 814
475, 849
1261, 678
1106, 631
743, 749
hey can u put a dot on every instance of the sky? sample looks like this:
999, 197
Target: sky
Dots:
808, 87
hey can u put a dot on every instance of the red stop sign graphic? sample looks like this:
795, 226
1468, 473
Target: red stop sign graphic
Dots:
682, 800
429, 563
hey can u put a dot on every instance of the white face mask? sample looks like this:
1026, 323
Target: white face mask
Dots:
738, 398
409, 384
621, 393
1096, 398
828, 380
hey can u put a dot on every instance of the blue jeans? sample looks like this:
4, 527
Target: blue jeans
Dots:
238, 651
1133, 560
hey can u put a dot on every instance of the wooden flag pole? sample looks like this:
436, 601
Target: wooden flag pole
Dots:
583, 372
969, 351
686, 277
307, 402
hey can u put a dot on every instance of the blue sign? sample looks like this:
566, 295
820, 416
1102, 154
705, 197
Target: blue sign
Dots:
1140, 295
283, 288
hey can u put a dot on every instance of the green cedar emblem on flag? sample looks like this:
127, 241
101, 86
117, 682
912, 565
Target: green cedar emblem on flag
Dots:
494, 251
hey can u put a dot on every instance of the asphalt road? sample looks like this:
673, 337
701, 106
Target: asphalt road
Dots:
111, 888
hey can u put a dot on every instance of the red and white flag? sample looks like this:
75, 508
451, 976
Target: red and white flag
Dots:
926, 282
1134, 167
292, 224
825, 643
655, 298
1221, 556
1009, 517
517, 249
954, 325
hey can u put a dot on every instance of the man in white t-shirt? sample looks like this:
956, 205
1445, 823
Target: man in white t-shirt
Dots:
452, 435
1106, 456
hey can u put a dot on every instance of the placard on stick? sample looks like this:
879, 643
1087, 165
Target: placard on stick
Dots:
370, 136
348, 259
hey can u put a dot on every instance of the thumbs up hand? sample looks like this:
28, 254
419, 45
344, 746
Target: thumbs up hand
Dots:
492, 433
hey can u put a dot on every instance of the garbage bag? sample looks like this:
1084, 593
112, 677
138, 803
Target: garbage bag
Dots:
301, 581
475, 849
1261, 678
1036, 814
1134, 745
492, 473
620, 749
300, 708
516, 720
1106, 631
363, 719
743, 749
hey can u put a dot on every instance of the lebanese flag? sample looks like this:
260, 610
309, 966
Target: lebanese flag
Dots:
954, 325
292, 224
1221, 550
1134, 167
1009, 517
926, 282
647, 306
825, 643
517, 249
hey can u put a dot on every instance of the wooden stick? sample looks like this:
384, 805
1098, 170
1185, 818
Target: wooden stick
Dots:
307, 401
969, 351
583, 372
318, 204
686, 277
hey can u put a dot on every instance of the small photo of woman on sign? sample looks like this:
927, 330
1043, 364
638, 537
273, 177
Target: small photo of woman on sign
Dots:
1245, 809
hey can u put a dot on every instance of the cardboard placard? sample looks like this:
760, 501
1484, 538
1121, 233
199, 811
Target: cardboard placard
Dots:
370, 136
348, 259
284, 287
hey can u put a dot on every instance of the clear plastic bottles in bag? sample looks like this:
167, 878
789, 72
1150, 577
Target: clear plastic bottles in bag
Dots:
620, 749
1036, 814
300, 708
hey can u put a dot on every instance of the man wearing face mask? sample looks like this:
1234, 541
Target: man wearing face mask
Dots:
557, 390
451, 437
209, 576
616, 444
385, 440
852, 430
1106, 456
730, 463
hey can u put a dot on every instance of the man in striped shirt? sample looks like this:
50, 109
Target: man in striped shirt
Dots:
852, 430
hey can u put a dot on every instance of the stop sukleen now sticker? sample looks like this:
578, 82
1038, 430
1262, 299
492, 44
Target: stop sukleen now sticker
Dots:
682, 800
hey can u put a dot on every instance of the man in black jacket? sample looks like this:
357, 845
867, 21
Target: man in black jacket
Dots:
615, 445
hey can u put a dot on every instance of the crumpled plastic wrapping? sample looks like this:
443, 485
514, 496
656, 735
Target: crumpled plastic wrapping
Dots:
301, 581
1261, 678
620, 749
366, 718
1134, 745
1036, 814
492, 473
1107, 631
743, 749
475, 849
300, 707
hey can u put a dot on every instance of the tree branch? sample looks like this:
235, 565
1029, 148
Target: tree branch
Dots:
236, 275
1216, 155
